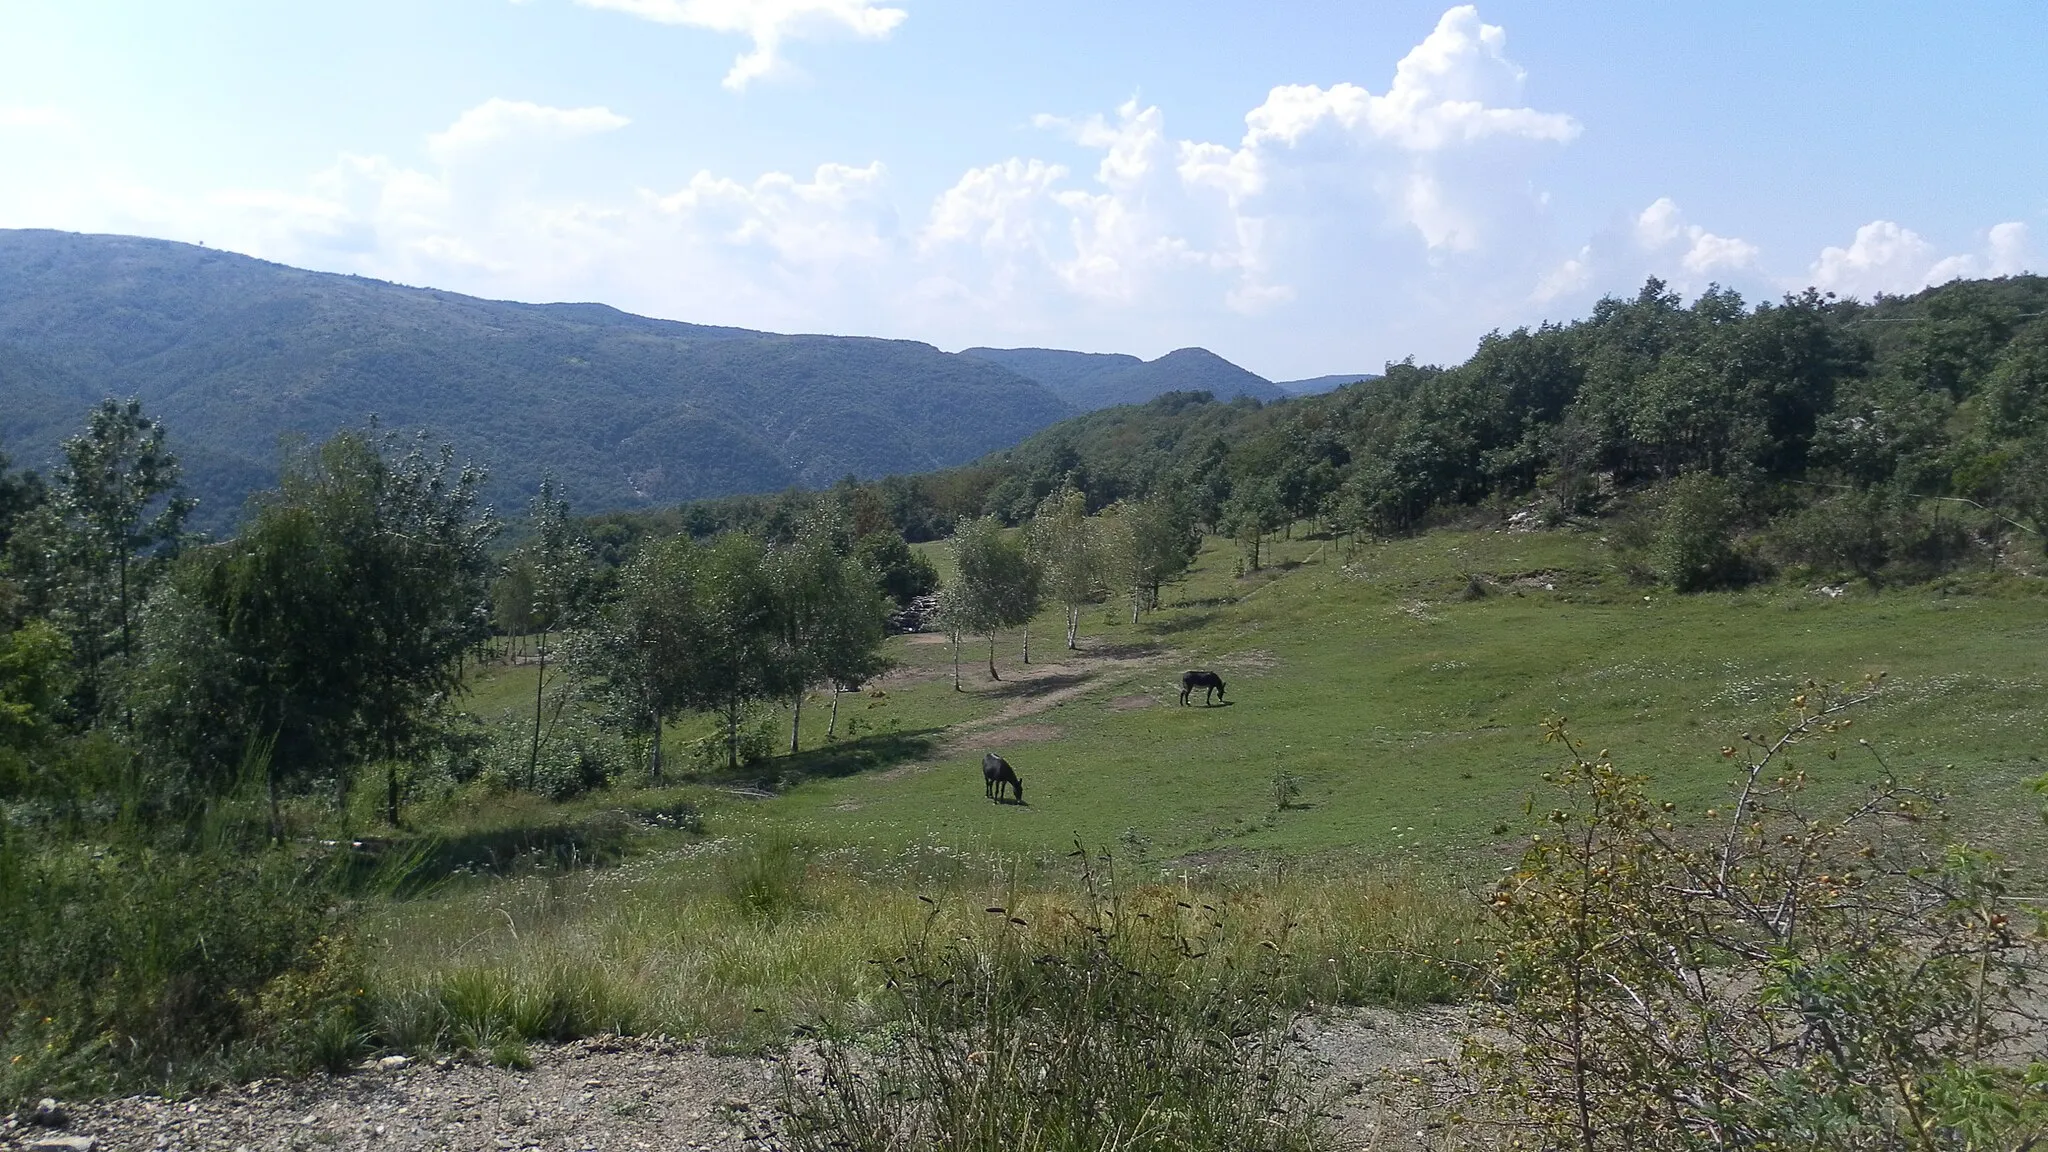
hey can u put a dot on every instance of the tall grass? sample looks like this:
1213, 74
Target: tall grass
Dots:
138, 954
1106, 1029
674, 947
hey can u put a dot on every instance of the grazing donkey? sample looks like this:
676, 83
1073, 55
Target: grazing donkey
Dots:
1207, 681
996, 772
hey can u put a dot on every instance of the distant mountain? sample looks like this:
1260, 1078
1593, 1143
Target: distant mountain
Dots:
1316, 384
1091, 380
234, 352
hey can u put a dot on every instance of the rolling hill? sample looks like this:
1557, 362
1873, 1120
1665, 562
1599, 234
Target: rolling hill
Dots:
234, 352
1091, 380
1316, 385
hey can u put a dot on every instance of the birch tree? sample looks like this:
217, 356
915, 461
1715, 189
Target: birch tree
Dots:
1062, 541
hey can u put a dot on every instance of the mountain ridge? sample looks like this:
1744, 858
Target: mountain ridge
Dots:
1095, 380
234, 352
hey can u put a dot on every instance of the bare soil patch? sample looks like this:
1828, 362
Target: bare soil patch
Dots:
1384, 1072
601, 1095
1021, 734
1132, 703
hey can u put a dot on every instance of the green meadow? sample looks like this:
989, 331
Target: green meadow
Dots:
1387, 701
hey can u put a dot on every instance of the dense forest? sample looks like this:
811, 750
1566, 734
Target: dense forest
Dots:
1881, 439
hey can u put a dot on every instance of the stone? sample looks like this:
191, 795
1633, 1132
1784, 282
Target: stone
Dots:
393, 1063
49, 1114
63, 1144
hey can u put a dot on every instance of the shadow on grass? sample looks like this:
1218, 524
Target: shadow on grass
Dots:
836, 759
411, 867
1184, 623
1032, 688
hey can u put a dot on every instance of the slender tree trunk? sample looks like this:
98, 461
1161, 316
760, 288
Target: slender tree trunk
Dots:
390, 775
127, 713
1073, 627
732, 736
832, 729
124, 604
992, 657
956, 662
1027, 643
654, 761
539, 682
796, 722
1137, 602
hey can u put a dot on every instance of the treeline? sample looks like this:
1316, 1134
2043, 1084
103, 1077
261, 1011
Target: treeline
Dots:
1888, 439
180, 715
333, 635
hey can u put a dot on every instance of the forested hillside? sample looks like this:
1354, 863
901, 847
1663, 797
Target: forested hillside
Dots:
1895, 437
232, 353
1091, 380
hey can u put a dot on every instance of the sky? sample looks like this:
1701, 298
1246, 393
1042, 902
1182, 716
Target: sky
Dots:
1304, 188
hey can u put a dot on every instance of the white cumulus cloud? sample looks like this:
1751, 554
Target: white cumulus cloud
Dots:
1435, 146
1662, 229
498, 119
1885, 257
1659, 241
768, 23
839, 214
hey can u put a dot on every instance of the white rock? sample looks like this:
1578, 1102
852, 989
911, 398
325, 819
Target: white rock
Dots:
393, 1063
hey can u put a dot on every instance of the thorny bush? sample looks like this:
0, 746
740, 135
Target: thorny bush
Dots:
1794, 981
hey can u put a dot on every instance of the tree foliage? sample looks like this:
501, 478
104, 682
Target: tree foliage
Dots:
332, 631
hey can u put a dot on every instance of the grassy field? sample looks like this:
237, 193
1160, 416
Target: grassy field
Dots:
1397, 692
1403, 702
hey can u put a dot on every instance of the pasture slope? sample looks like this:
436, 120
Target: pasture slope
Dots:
1405, 708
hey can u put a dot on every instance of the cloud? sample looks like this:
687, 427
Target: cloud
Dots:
839, 215
1435, 146
1661, 229
767, 22
1409, 204
1447, 91
1658, 241
1341, 227
1571, 277
497, 119
1887, 258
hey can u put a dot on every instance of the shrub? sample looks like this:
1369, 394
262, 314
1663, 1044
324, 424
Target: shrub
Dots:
1111, 1036
1843, 534
137, 962
1794, 982
1695, 543
1870, 535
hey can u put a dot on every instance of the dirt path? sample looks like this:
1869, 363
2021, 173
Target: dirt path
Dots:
1029, 691
612, 1094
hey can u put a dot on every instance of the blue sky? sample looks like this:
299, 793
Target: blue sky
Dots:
1306, 188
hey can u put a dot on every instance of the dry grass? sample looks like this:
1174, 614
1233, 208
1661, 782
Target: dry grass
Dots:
663, 947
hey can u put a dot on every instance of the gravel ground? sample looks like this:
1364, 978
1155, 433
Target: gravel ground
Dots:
612, 1094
